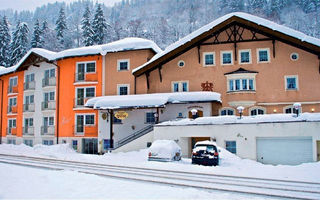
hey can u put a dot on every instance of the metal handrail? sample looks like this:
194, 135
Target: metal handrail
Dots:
134, 136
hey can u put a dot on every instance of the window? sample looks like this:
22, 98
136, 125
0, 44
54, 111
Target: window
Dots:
231, 146
106, 144
90, 92
150, 117
181, 63
13, 82
180, 86
116, 120
89, 120
123, 65
226, 58
290, 109
226, 111
28, 122
29, 78
209, 59
47, 142
91, 67
49, 96
12, 123
294, 56
11, 141
28, 142
48, 121
263, 55
29, 99
123, 89
256, 111
241, 84
13, 101
49, 73
75, 144
245, 56
291, 82
86, 67
83, 93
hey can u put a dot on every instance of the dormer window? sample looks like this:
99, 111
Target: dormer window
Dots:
241, 80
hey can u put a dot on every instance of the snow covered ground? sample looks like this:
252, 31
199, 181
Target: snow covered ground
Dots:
71, 184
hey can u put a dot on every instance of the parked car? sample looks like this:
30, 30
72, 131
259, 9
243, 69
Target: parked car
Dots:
164, 150
205, 153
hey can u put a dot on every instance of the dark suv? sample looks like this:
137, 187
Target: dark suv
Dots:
205, 153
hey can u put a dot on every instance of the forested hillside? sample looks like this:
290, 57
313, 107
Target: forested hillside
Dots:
61, 26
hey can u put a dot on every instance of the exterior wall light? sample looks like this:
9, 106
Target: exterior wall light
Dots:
240, 110
312, 109
194, 113
274, 110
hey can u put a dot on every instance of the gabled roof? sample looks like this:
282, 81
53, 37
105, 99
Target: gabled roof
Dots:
151, 100
278, 32
241, 71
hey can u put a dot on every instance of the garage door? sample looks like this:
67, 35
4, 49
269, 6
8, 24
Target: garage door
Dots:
287, 151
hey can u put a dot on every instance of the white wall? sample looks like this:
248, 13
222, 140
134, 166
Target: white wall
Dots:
244, 134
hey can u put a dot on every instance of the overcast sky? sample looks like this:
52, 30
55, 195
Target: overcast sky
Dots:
32, 4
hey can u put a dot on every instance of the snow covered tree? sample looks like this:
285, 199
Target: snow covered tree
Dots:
19, 45
87, 32
5, 39
36, 41
99, 26
61, 26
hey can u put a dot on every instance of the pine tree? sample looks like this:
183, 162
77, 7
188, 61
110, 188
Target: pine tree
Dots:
61, 26
5, 39
99, 26
87, 32
19, 45
36, 41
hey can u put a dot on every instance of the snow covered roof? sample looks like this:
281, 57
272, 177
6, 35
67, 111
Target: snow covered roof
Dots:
251, 18
48, 55
151, 100
267, 118
125, 44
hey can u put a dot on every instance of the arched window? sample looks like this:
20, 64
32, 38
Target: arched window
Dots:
227, 111
257, 111
290, 109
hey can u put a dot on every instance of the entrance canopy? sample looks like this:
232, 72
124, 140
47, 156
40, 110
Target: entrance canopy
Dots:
151, 100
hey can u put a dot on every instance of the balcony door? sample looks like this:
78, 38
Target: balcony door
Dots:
80, 96
81, 72
80, 124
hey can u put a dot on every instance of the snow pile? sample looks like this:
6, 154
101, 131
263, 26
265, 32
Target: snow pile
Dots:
125, 44
251, 18
267, 118
164, 149
151, 100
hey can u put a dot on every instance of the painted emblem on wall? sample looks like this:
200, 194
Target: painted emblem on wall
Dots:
207, 86
121, 115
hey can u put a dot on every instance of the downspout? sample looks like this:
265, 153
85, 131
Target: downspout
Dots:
1, 111
58, 99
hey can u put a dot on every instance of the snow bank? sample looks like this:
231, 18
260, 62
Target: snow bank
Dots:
150, 100
251, 18
267, 118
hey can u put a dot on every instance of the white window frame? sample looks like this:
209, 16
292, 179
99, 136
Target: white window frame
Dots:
84, 119
180, 87
123, 85
12, 119
291, 106
247, 76
297, 82
54, 121
297, 54
257, 107
258, 55
250, 56
227, 108
181, 61
204, 59
85, 91
14, 77
123, 60
85, 67
15, 101
49, 92
145, 117
221, 57
29, 74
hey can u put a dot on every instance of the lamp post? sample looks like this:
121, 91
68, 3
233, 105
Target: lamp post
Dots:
297, 107
240, 110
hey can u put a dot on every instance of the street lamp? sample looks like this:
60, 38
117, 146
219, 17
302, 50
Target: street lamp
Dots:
240, 110
297, 106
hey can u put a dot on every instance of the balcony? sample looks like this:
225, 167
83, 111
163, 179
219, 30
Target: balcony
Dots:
50, 81
47, 130
80, 102
86, 77
29, 85
12, 89
28, 107
12, 109
28, 131
11, 131
80, 130
48, 105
